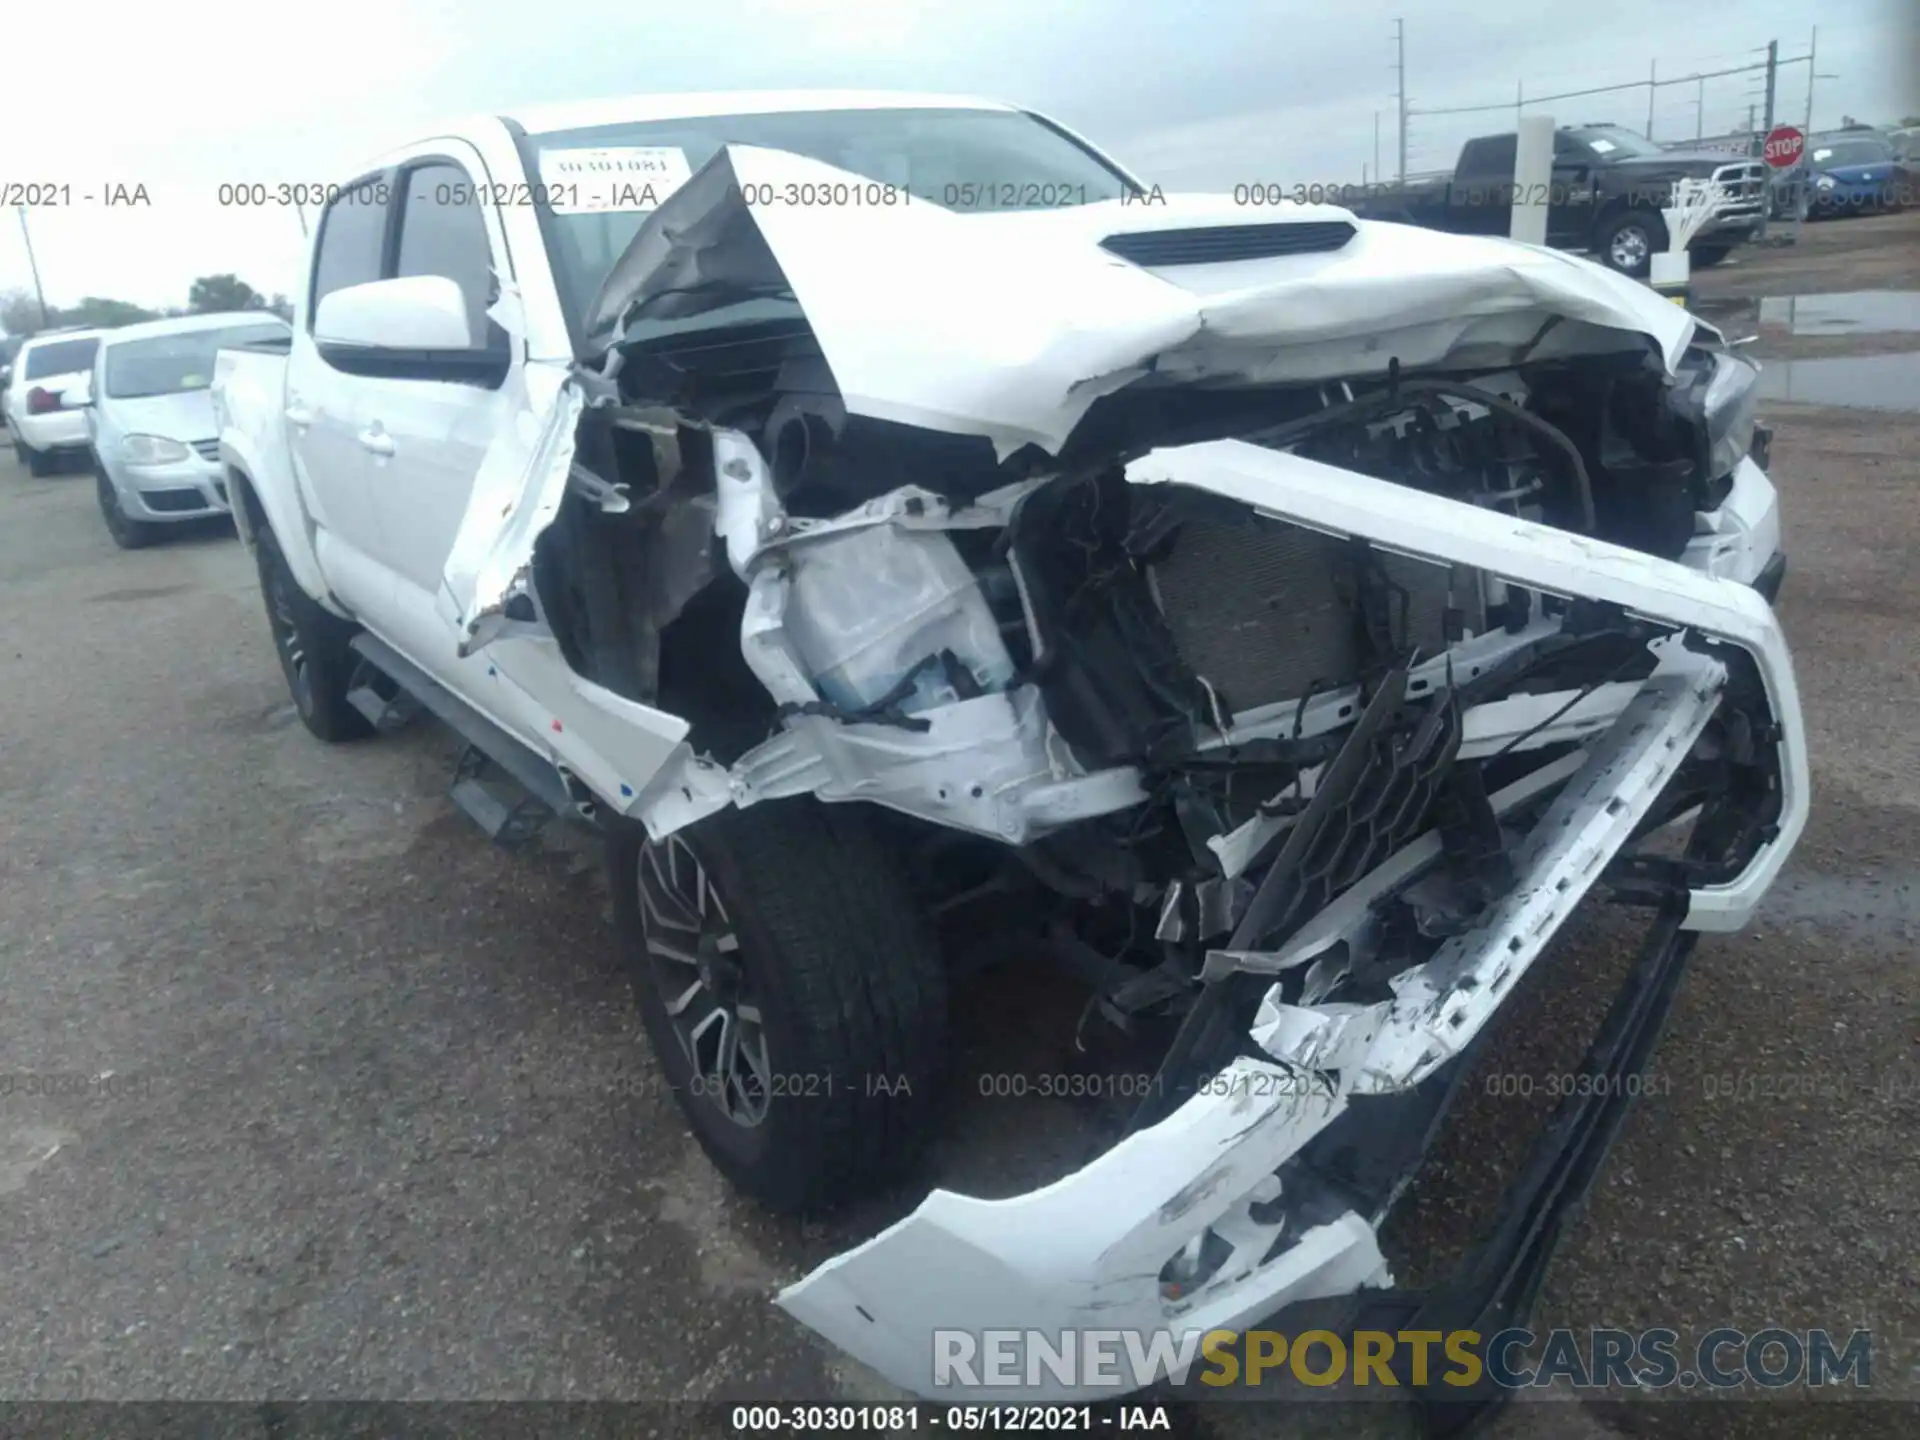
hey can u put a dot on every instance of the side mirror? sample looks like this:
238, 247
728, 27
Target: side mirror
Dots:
411, 313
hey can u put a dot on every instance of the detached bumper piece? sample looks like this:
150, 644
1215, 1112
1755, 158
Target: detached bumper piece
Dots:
1096, 1250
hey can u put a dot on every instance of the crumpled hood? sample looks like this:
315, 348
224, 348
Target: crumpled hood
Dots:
1011, 324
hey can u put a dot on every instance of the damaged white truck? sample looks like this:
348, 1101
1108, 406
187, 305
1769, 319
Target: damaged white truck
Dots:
875, 509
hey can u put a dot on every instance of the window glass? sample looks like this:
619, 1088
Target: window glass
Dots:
442, 232
174, 364
351, 233
61, 357
969, 160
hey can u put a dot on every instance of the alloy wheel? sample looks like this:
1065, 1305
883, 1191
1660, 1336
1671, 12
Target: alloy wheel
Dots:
1630, 248
286, 638
693, 954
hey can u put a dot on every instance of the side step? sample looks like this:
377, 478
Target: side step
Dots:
379, 697
507, 789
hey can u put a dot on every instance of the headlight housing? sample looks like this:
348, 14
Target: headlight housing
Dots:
152, 450
1729, 405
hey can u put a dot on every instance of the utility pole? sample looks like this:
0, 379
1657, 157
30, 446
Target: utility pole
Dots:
1653, 82
1773, 66
1803, 177
1400, 65
1700, 108
34, 266
1376, 145
1813, 65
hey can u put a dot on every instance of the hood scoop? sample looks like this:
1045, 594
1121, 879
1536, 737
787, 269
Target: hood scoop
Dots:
1215, 244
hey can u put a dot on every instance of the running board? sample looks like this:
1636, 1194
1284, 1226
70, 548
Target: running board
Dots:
505, 787
368, 692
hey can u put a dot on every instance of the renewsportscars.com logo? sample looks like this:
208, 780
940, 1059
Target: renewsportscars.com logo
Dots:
1124, 1360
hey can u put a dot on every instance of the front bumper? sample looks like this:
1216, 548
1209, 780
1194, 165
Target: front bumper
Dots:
1088, 1252
191, 489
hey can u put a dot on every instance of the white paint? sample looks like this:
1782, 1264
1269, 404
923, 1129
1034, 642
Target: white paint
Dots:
1533, 179
408, 312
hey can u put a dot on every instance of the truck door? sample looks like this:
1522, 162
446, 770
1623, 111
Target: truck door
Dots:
428, 430
321, 401
1481, 200
1571, 208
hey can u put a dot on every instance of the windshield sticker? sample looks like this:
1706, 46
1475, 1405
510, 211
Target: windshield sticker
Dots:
1821, 154
1603, 147
612, 179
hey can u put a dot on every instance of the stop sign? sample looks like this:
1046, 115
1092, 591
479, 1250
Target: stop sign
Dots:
1783, 147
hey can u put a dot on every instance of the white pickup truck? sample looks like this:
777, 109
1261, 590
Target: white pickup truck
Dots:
913, 540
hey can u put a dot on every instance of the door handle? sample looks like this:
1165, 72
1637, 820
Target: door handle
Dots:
376, 441
298, 414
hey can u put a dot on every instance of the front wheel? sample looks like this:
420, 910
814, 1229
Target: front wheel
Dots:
1705, 256
793, 993
39, 463
127, 533
314, 648
1629, 241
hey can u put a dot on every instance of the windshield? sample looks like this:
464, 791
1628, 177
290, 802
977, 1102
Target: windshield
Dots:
1851, 152
1611, 140
171, 364
60, 357
962, 159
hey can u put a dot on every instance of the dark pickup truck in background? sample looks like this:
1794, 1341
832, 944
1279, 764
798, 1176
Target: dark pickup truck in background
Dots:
1609, 186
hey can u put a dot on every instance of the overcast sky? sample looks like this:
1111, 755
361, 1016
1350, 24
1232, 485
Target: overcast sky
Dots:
182, 95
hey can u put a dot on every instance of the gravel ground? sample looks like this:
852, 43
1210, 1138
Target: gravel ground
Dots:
379, 1120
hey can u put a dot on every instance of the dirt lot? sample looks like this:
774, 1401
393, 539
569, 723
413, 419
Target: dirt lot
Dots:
380, 1122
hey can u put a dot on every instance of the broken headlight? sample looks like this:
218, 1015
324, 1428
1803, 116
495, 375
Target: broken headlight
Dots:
1729, 403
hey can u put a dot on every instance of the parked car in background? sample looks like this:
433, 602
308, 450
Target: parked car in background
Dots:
9, 347
1855, 172
1609, 186
156, 449
1278, 621
45, 420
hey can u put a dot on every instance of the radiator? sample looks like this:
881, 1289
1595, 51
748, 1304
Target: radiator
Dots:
1256, 609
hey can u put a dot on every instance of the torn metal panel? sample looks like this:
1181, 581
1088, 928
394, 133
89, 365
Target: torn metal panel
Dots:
487, 589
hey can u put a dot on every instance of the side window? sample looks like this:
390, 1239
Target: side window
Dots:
442, 232
1491, 156
351, 234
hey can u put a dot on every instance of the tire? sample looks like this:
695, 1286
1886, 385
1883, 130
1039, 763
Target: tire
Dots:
837, 963
1706, 256
39, 463
1619, 251
313, 646
127, 533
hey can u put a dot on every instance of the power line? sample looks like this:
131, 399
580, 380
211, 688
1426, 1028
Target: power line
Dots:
1606, 89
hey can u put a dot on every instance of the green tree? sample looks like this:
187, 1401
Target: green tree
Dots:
282, 306
20, 313
212, 294
104, 313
